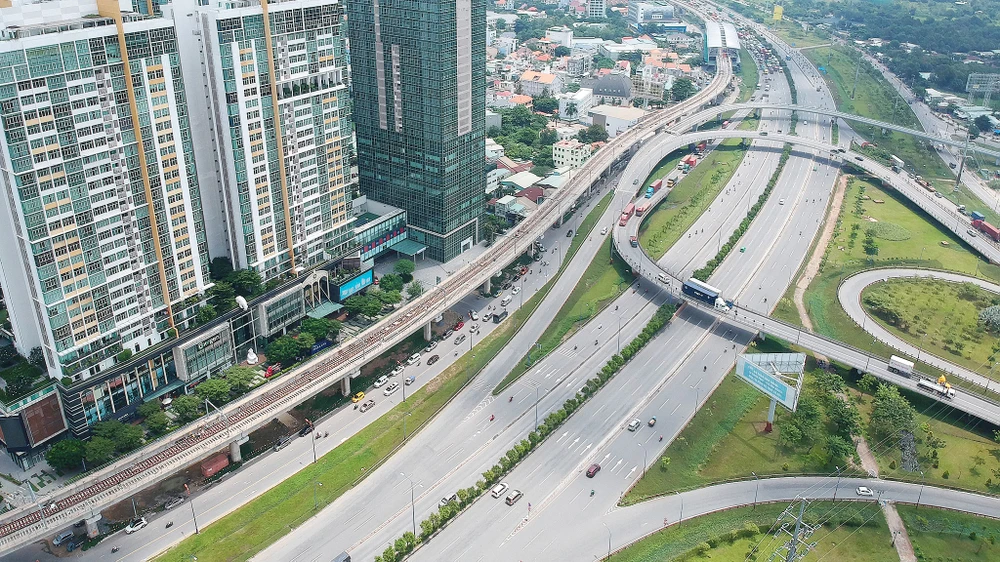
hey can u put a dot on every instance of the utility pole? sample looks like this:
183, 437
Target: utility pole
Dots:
795, 548
961, 161
857, 71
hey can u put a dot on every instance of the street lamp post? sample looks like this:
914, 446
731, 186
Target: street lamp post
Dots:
609, 537
413, 510
838, 485
643, 458
756, 490
619, 334
919, 495
536, 407
316, 485
681, 518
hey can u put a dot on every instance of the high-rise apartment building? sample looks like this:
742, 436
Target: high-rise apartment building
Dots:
100, 212
597, 10
275, 128
418, 82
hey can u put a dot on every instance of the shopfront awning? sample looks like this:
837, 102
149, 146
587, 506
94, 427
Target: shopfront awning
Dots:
171, 386
408, 247
324, 309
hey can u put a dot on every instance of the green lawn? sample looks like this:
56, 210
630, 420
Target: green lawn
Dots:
726, 441
922, 247
939, 317
851, 532
749, 76
689, 198
942, 536
792, 34
253, 527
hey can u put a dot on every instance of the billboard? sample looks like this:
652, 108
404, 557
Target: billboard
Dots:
354, 285
778, 375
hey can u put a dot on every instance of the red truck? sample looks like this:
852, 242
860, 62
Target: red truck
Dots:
987, 229
214, 464
657, 185
690, 160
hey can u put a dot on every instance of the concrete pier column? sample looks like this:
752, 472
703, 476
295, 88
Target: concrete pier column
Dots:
234, 452
427, 326
487, 288
345, 386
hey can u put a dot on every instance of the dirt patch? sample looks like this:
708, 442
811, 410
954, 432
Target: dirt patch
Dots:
812, 268
151, 499
266, 436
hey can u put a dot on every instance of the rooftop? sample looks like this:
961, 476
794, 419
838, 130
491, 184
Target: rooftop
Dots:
618, 112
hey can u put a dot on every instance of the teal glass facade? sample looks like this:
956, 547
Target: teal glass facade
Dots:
419, 86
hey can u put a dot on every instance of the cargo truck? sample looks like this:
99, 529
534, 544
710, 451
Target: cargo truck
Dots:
900, 366
671, 182
987, 229
977, 216
944, 390
705, 293
896, 161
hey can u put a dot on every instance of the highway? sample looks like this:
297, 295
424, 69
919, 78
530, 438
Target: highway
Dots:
849, 295
153, 463
668, 379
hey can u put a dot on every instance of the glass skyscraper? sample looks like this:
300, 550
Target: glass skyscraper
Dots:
419, 86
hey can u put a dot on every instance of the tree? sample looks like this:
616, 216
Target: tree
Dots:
391, 282
404, 267
220, 268
839, 448
548, 137
19, 381
246, 282
99, 450
223, 296
125, 437
546, 105
37, 358
867, 383
240, 378
205, 314
186, 407
66, 454
983, 123
390, 297
870, 246
414, 290
320, 328
305, 342
283, 350
593, 133
891, 412
148, 408
974, 131
8, 355
562, 51
158, 423
682, 89
215, 391
371, 307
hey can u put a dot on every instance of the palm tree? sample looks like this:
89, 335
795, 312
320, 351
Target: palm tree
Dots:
570, 110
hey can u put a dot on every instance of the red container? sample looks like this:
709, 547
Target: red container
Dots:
214, 464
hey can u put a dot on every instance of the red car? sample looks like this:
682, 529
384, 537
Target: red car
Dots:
460, 325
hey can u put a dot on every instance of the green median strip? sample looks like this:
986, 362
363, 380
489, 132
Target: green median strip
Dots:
705, 272
437, 520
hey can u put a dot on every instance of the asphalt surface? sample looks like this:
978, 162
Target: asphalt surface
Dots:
849, 294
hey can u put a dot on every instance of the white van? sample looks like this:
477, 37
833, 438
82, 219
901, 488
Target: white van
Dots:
506, 300
499, 489
413, 359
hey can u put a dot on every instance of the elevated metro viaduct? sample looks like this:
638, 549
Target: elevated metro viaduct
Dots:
965, 400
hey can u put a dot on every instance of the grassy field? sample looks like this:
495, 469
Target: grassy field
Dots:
253, 527
601, 283
727, 536
689, 198
937, 316
749, 76
941, 536
926, 245
793, 34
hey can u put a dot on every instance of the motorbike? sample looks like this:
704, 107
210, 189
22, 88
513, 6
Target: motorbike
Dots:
511, 399
170, 524
492, 417
591, 493
661, 438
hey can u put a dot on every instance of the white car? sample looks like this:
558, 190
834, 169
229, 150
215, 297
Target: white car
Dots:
473, 315
866, 492
604, 231
413, 359
381, 381
781, 201
136, 525
397, 371
515, 290
391, 389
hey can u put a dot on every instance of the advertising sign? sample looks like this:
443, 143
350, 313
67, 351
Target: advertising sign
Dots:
769, 380
354, 285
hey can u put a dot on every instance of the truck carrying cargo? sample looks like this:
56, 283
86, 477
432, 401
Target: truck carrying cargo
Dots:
987, 229
900, 366
944, 390
657, 185
671, 182
977, 216
705, 293
896, 161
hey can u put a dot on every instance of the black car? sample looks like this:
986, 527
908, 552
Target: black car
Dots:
433, 359
569, 233
306, 429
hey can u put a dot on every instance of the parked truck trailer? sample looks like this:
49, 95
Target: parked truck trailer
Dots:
900, 366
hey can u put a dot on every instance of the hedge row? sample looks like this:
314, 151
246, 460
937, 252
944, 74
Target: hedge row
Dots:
438, 519
705, 272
